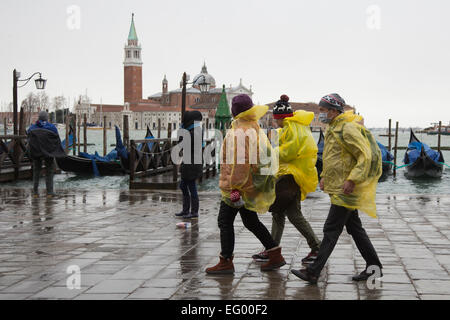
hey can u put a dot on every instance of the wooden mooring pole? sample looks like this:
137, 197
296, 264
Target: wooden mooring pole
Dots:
395, 149
104, 136
132, 160
439, 137
85, 133
74, 140
159, 128
169, 131
389, 135
126, 134
78, 135
66, 147
5, 125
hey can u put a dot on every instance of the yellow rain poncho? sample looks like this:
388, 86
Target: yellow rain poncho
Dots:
247, 162
298, 151
351, 153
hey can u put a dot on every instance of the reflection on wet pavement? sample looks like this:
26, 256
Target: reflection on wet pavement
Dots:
127, 246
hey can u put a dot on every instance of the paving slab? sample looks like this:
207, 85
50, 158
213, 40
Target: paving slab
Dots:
127, 246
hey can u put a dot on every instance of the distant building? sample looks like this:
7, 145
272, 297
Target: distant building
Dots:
164, 106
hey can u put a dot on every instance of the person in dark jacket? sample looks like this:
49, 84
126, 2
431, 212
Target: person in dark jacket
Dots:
44, 144
193, 169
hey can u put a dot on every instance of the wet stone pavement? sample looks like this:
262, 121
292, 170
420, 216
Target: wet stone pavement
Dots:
127, 246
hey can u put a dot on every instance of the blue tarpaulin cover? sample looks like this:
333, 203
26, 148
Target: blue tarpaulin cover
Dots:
414, 149
112, 156
385, 154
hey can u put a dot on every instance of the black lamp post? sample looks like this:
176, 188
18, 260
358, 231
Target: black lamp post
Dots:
40, 85
201, 82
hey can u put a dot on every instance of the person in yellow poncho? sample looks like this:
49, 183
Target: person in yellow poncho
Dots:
247, 184
297, 174
351, 168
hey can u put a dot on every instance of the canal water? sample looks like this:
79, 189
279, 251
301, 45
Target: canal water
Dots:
390, 185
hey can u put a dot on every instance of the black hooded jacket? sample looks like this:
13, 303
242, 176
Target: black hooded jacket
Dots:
43, 143
192, 171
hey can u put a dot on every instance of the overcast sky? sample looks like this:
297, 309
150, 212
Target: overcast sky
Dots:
390, 59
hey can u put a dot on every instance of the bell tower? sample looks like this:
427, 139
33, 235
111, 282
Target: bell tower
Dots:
132, 67
165, 85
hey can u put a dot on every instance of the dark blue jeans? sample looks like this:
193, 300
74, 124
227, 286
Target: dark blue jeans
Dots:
190, 196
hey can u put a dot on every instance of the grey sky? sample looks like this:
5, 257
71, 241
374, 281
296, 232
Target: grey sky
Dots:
305, 49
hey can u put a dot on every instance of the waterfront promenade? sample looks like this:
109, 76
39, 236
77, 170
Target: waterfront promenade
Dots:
127, 246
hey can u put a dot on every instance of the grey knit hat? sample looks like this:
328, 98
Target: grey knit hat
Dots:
332, 101
43, 116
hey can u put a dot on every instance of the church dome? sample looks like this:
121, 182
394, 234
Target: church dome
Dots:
204, 73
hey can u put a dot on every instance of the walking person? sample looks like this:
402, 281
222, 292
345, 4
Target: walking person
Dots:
296, 177
191, 171
44, 145
246, 186
351, 168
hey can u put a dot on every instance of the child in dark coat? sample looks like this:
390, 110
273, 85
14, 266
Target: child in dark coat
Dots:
193, 169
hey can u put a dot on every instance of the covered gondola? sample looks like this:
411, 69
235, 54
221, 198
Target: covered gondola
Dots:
421, 160
387, 159
88, 164
320, 144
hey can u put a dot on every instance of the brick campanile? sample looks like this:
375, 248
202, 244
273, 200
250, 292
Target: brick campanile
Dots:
132, 67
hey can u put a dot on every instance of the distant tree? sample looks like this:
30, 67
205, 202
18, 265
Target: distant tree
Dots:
44, 101
30, 103
59, 102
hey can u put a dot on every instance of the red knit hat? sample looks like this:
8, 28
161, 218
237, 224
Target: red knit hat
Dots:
282, 108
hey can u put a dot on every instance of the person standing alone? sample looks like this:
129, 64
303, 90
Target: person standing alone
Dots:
191, 170
44, 145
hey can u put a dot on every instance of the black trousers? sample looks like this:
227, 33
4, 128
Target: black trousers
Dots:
338, 217
251, 221
49, 167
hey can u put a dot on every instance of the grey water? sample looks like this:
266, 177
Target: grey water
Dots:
390, 185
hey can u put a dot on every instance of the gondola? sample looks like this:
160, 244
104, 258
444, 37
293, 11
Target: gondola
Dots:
109, 165
319, 163
421, 160
85, 166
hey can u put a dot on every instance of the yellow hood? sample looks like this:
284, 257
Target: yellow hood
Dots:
253, 114
302, 117
348, 116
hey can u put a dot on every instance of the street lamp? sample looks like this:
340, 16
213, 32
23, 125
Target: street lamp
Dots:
40, 85
203, 85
